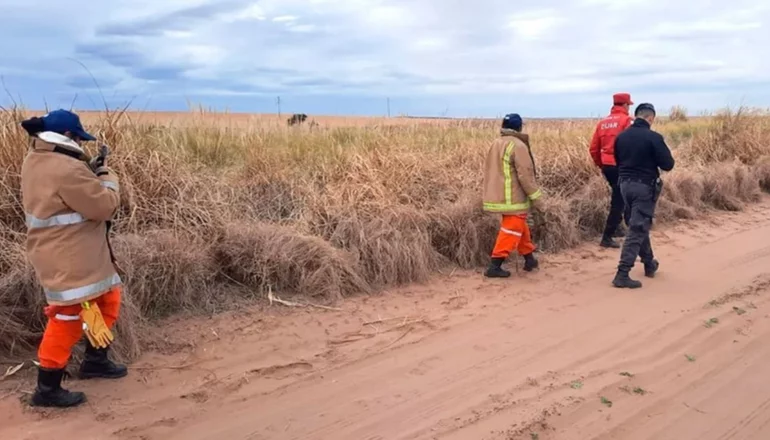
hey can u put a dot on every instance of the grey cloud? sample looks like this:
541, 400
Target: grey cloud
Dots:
181, 19
87, 82
310, 82
614, 71
121, 54
165, 73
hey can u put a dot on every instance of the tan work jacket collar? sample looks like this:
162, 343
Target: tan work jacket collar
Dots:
518, 135
50, 141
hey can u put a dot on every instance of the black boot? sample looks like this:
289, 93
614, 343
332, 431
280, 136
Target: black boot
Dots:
623, 281
96, 364
609, 242
651, 268
495, 269
49, 392
530, 263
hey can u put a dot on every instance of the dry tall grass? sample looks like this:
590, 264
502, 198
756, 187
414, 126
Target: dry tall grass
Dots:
678, 113
214, 213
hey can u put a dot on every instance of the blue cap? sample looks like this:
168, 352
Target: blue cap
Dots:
512, 121
62, 121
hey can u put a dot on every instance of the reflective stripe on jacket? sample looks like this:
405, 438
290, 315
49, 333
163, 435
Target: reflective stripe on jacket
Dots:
66, 207
607, 130
510, 185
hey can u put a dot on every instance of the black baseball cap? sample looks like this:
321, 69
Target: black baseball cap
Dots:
645, 106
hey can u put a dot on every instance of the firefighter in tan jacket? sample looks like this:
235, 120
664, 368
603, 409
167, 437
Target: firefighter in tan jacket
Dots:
68, 200
510, 189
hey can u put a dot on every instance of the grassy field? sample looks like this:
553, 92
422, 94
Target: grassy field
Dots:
219, 208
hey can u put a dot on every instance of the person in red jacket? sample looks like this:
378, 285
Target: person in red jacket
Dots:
603, 154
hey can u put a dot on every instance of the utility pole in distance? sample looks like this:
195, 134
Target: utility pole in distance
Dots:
388, 106
278, 103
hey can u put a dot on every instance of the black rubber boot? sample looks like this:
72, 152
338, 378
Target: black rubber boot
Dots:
495, 269
96, 364
530, 263
609, 243
49, 392
651, 268
623, 281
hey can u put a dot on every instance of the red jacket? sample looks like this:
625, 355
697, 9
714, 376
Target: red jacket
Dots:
603, 141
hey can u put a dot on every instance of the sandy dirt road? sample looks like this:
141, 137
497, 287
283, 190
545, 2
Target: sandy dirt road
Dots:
557, 354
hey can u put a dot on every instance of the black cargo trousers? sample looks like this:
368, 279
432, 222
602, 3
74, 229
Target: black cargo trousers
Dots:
617, 205
640, 198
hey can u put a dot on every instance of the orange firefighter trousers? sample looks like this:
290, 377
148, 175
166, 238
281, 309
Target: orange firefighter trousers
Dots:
65, 328
514, 235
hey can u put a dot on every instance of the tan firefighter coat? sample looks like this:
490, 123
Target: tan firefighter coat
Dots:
510, 185
66, 206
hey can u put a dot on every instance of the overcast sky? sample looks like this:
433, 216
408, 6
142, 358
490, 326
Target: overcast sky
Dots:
430, 57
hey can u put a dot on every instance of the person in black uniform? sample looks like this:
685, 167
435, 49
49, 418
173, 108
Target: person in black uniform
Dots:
639, 153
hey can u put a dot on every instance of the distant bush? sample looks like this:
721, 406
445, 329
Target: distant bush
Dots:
678, 113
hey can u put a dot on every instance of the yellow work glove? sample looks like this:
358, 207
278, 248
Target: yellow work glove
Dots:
94, 327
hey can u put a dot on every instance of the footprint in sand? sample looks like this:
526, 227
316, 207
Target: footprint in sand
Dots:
282, 371
425, 366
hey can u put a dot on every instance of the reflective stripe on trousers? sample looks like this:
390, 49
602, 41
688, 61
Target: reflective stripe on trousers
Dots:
84, 291
510, 232
57, 220
61, 317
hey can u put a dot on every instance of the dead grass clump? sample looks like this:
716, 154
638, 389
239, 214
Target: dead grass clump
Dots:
666, 211
21, 300
167, 272
272, 199
264, 256
16, 335
463, 232
762, 173
589, 207
130, 329
158, 192
684, 188
555, 227
11, 214
391, 247
749, 189
728, 186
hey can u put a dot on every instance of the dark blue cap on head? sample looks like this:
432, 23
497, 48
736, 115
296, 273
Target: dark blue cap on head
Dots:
62, 121
512, 121
644, 106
